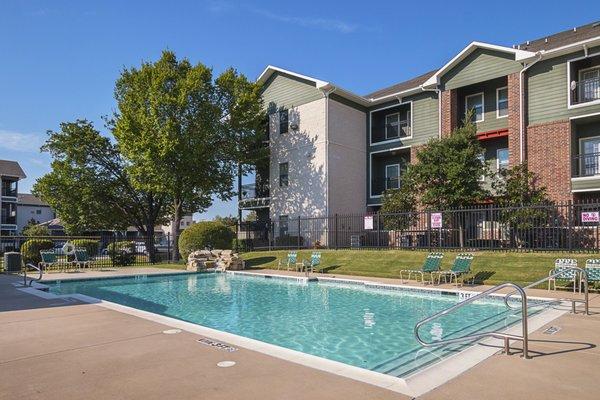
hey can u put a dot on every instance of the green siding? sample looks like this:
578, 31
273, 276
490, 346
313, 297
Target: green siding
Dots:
590, 184
548, 92
285, 91
481, 65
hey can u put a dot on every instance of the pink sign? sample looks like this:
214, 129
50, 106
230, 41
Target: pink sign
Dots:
436, 220
590, 216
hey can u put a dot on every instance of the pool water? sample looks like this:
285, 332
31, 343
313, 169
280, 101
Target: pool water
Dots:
366, 327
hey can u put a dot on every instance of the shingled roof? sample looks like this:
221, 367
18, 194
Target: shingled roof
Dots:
399, 87
27, 199
12, 169
563, 38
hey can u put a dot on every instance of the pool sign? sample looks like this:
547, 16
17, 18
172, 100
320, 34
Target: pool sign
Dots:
590, 216
368, 222
436, 220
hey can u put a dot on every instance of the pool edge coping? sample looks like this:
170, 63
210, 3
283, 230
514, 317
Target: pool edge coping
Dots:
416, 384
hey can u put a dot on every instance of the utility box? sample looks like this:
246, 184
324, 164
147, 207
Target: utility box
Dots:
12, 261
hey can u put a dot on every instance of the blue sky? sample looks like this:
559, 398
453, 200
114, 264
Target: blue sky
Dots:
60, 59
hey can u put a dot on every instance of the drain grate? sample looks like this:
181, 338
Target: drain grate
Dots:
218, 345
551, 330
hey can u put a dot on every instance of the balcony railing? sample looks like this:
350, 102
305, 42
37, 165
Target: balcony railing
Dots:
254, 196
586, 165
383, 184
586, 90
403, 130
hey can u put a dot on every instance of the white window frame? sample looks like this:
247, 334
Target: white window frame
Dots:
569, 98
398, 139
498, 158
397, 114
482, 158
388, 177
480, 94
279, 174
498, 102
581, 152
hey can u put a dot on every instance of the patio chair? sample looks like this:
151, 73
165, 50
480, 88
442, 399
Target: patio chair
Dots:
315, 262
430, 266
460, 268
561, 267
82, 259
50, 261
592, 267
291, 262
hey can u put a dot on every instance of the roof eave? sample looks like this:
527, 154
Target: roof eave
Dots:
559, 51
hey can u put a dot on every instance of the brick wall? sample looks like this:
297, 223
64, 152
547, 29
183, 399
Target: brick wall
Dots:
548, 155
514, 122
449, 111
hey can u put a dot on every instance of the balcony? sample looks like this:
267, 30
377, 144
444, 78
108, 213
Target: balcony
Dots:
586, 173
254, 196
9, 188
585, 91
380, 185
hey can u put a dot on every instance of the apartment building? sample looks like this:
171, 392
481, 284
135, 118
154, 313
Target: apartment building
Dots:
10, 174
32, 209
333, 151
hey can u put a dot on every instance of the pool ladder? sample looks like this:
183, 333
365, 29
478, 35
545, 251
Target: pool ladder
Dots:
38, 269
506, 337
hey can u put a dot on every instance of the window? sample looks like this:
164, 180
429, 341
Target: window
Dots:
589, 84
283, 121
501, 102
283, 174
392, 176
590, 156
475, 102
392, 126
481, 157
502, 159
38, 212
283, 225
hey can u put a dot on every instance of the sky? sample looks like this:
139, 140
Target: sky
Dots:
59, 59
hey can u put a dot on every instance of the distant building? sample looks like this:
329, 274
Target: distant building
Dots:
10, 175
186, 221
32, 208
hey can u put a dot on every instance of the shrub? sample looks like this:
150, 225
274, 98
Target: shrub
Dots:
203, 234
241, 245
32, 230
288, 241
90, 245
31, 248
122, 253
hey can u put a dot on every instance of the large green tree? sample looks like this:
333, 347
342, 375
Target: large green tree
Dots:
180, 130
90, 187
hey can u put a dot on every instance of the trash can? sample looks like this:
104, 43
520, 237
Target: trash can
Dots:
12, 261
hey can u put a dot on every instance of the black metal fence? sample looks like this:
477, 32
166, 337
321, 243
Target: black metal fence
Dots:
545, 227
102, 252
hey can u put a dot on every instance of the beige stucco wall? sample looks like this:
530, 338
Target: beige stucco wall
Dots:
304, 150
347, 159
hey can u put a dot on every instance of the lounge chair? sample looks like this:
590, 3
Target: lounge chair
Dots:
315, 262
82, 259
50, 261
430, 266
561, 267
291, 262
460, 268
592, 267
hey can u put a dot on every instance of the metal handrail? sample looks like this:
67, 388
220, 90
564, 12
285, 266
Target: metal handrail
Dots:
585, 301
496, 334
25, 274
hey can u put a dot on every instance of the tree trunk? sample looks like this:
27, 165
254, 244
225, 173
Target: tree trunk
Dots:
149, 239
176, 221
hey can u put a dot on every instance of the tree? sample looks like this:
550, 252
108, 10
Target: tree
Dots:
90, 187
448, 171
521, 198
178, 129
230, 221
33, 229
399, 205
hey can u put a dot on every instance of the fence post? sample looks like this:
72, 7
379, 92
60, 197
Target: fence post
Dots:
335, 230
298, 245
169, 247
570, 224
114, 250
378, 232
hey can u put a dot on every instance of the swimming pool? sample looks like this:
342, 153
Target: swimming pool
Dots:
364, 326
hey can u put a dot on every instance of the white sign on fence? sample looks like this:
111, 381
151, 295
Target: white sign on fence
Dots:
590, 216
368, 222
436, 220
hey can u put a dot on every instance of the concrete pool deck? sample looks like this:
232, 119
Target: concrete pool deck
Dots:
64, 349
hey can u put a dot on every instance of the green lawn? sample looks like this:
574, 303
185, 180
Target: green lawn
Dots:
489, 267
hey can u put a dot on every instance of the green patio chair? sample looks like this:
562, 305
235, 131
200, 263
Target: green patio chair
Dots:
564, 273
291, 262
592, 267
315, 262
430, 266
82, 259
49, 260
460, 269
